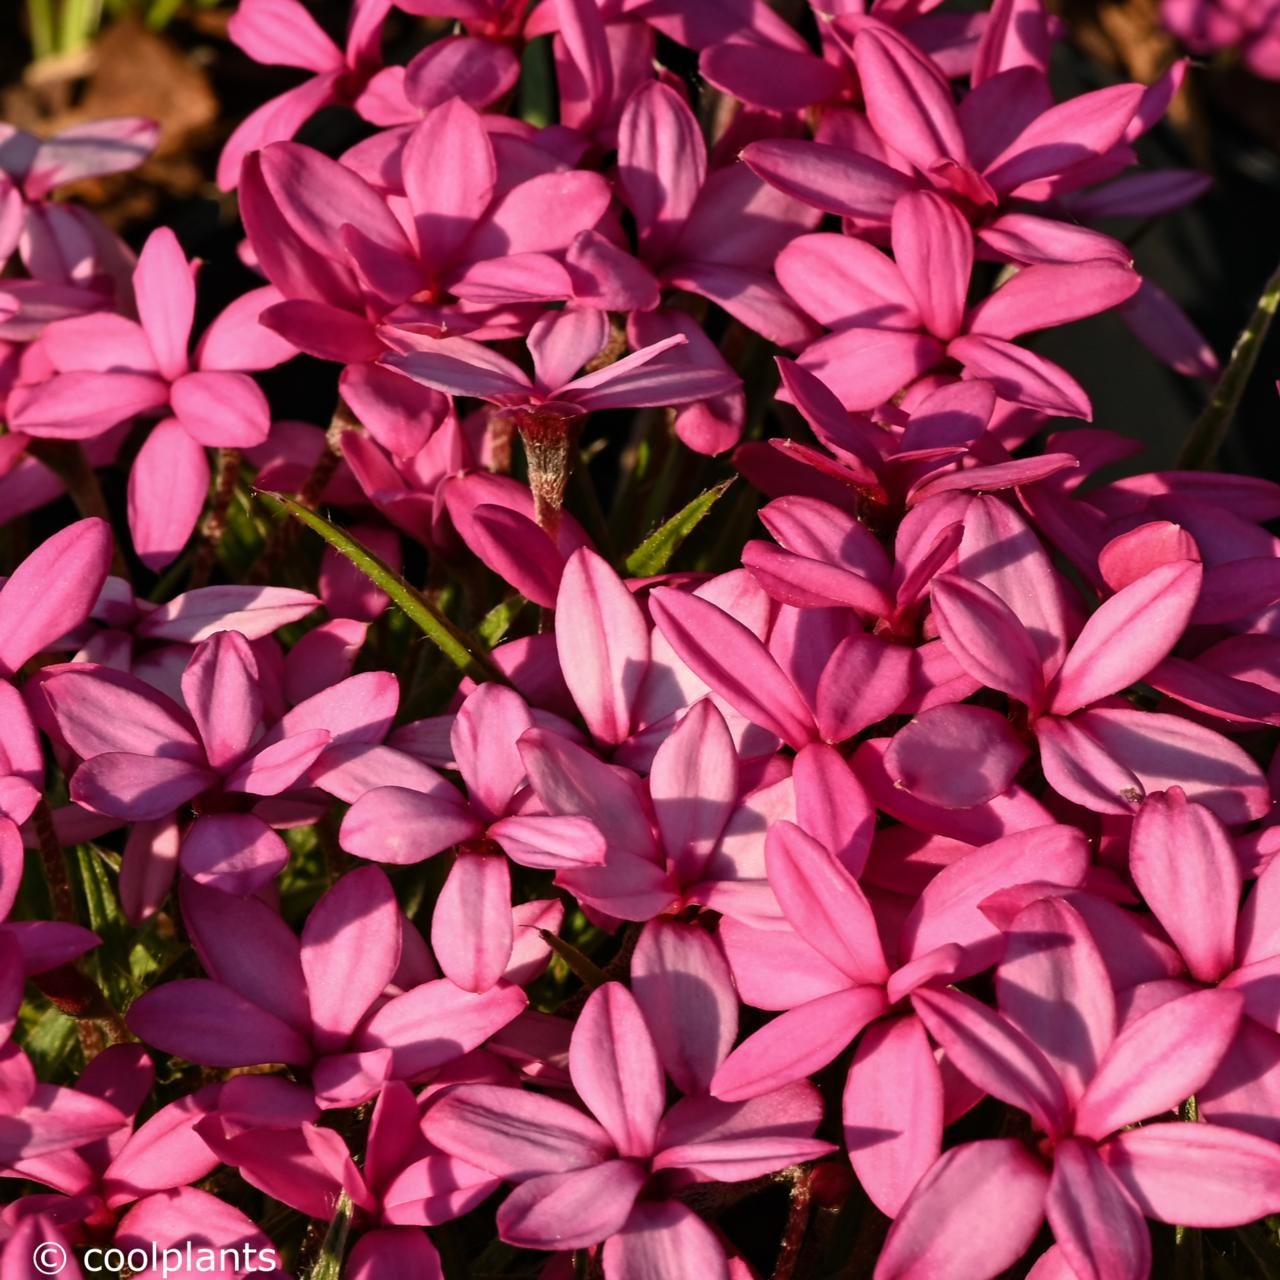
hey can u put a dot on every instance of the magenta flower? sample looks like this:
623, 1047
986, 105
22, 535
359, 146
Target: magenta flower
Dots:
109, 369
1208, 26
1058, 1051
896, 320
146, 758
321, 1002
684, 215
283, 33
832, 979
607, 1175
1184, 864
61, 243
1007, 145
417, 814
560, 343
41, 1121
1098, 754
133, 1161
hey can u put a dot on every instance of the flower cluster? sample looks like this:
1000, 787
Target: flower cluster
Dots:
487, 883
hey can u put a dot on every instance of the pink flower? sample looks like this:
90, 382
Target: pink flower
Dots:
1058, 1051
896, 320
411, 813
560, 343
108, 369
283, 33
321, 1002
606, 1175
146, 758
61, 243
832, 978
1207, 26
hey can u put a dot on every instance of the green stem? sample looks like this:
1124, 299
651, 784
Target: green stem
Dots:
40, 21
464, 652
1210, 429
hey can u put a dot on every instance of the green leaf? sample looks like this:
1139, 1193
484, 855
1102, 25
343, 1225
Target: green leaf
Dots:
328, 1265
1210, 429
50, 1039
654, 553
586, 970
465, 652
499, 620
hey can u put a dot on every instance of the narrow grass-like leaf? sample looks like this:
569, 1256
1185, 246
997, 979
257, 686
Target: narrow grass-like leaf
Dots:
328, 1266
1210, 428
465, 652
654, 554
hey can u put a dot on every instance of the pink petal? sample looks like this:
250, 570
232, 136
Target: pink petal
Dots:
397, 825
987, 638
221, 409
450, 140
1042, 297
220, 689
283, 33
948, 911
933, 247
1163, 751
733, 661
166, 296
828, 178
956, 756
797, 1043
995, 1055
513, 1134
1200, 1175
662, 1239
841, 282
694, 785
90, 150
1053, 985
973, 1214
1022, 376
139, 788
437, 1022
81, 405
824, 904
615, 1068
571, 1210
391, 1252
350, 950
908, 102
52, 590
253, 611
662, 162
1067, 134
243, 944
866, 367
683, 986
603, 642
168, 484
190, 1017
471, 929
1158, 1061
1128, 635
891, 1146
1099, 1229
234, 852
1183, 862
276, 768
